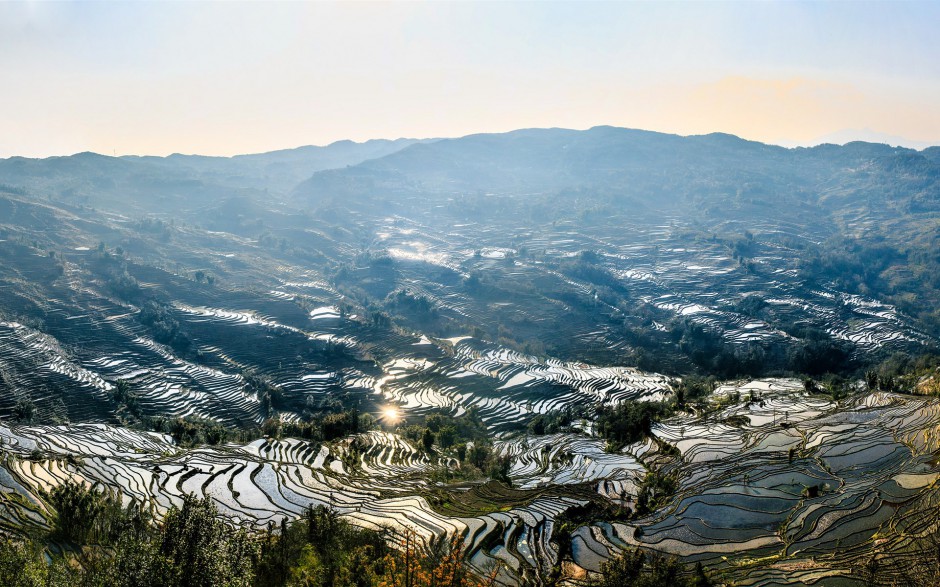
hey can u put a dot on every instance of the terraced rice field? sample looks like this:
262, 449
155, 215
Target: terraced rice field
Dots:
765, 486
748, 504
456, 374
775, 486
696, 279
280, 318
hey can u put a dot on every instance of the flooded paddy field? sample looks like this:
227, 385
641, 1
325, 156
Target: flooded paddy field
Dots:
824, 487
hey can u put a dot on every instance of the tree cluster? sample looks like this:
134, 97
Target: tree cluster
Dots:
630, 421
164, 326
96, 542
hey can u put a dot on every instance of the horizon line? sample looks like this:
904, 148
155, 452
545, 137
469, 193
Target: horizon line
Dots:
913, 145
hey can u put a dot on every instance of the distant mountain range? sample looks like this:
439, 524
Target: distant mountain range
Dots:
849, 135
647, 169
858, 200
523, 160
280, 169
92, 178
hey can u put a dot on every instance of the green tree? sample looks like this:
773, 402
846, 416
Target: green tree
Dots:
202, 550
22, 565
427, 439
636, 568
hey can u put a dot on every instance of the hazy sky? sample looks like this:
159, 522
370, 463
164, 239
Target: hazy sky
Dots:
225, 78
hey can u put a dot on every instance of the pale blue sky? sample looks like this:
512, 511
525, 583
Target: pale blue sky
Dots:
225, 78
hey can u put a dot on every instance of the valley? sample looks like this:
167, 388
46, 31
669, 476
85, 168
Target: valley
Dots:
279, 333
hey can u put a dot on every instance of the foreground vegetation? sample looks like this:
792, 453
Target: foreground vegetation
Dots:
635, 568
95, 541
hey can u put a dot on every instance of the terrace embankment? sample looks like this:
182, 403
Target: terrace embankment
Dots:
772, 484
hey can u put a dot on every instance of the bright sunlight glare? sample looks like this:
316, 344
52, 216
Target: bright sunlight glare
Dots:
391, 415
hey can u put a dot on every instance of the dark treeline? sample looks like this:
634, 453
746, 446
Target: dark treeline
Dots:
463, 437
630, 421
192, 431
636, 568
904, 373
556, 421
164, 326
95, 541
